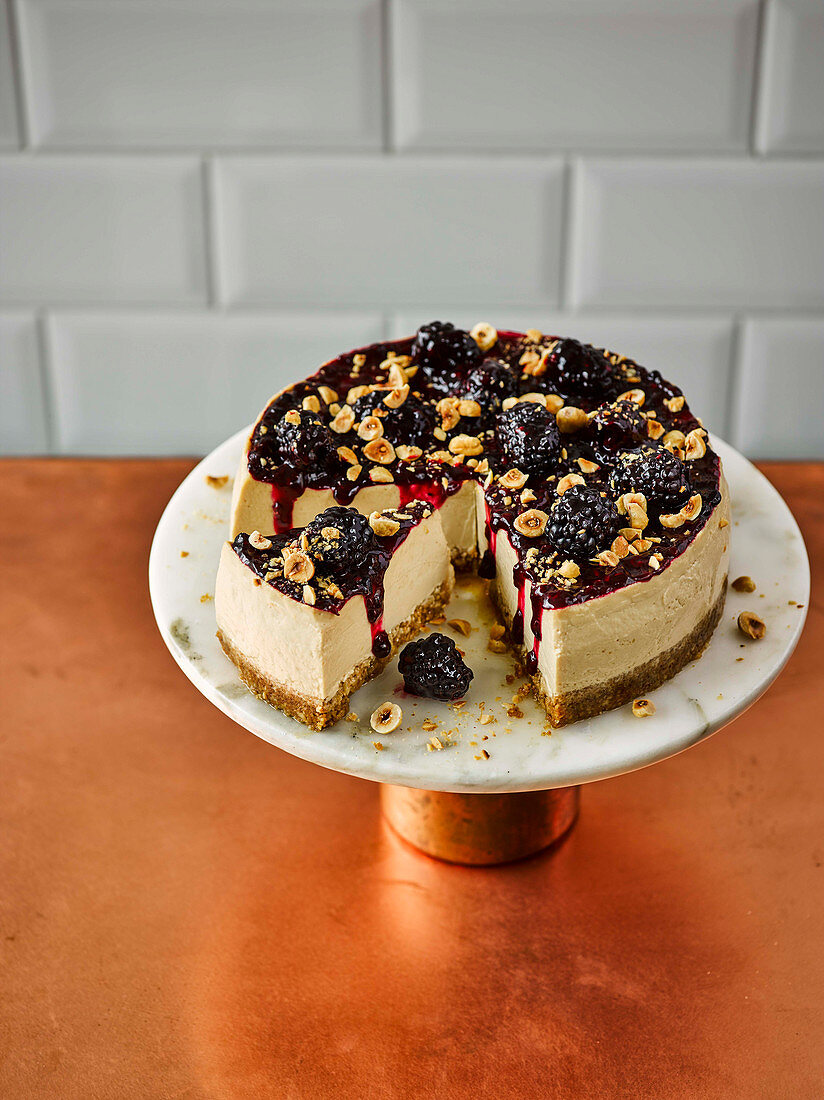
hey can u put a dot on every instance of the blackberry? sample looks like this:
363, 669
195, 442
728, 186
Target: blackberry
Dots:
444, 353
618, 425
582, 523
412, 422
307, 443
490, 383
529, 438
579, 373
433, 667
653, 471
350, 549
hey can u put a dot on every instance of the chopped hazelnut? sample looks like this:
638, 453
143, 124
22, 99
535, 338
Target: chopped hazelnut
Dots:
531, 523
292, 417
695, 447
513, 479
380, 474
637, 397
620, 547
571, 419
466, 445
406, 453
637, 516
554, 403
692, 509
382, 525
328, 395
655, 429
396, 397
569, 570
469, 408
343, 421
355, 392
484, 335
380, 450
671, 520
309, 595
386, 718
370, 428
310, 403
534, 335
461, 625
751, 625
608, 558
643, 708
397, 377
346, 454
298, 567
567, 482
260, 542
674, 404
353, 473
743, 584
587, 467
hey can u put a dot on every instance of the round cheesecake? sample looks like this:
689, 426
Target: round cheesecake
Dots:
576, 481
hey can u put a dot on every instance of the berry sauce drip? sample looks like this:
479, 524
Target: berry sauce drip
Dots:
428, 413
352, 563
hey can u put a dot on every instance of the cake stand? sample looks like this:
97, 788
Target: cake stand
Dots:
463, 790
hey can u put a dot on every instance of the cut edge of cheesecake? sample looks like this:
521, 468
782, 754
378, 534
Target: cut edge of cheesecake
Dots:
318, 714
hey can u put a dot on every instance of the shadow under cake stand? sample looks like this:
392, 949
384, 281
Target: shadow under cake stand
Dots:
509, 787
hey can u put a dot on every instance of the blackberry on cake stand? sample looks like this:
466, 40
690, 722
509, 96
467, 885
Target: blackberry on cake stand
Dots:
478, 801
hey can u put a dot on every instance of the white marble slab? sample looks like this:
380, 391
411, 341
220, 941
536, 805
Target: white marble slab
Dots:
766, 544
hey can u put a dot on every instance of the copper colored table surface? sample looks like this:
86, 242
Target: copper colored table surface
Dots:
186, 911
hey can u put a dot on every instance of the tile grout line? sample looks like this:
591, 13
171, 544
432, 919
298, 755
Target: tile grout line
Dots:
16, 51
387, 70
569, 241
209, 243
734, 380
44, 353
759, 79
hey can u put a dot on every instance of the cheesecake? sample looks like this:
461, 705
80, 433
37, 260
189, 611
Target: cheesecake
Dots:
311, 614
576, 481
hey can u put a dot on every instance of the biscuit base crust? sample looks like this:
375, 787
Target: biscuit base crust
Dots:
320, 713
572, 706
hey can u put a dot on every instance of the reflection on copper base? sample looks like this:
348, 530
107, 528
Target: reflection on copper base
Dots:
480, 828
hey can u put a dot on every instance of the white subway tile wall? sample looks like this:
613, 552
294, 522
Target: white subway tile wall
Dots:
200, 201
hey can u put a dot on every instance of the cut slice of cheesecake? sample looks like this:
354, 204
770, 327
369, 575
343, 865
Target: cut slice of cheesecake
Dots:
310, 615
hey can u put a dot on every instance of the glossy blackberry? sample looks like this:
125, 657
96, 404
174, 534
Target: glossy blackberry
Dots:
529, 439
618, 425
578, 372
582, 523
444, 353
433, 667
349, 549
653, 471
307, 443
412, 422
490, 383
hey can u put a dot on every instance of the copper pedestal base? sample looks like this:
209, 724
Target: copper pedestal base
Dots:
480, 828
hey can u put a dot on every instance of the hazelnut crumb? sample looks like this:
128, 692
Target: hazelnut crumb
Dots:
461, 625
216, 482
743, 584
386, 718
751, 625
643, 708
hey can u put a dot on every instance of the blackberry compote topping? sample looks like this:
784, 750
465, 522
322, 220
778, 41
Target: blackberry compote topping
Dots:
582, 523
339, 537
303, 440
618, 425
579, 373
412, 422
444, 353
490, 383
529, 438
433, 667
655, 472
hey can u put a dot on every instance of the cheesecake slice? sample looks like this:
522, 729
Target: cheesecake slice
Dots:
309, 615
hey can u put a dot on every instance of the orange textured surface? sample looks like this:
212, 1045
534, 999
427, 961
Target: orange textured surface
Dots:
186, 911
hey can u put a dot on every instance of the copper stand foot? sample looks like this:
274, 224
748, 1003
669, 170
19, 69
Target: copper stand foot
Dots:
480, 828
